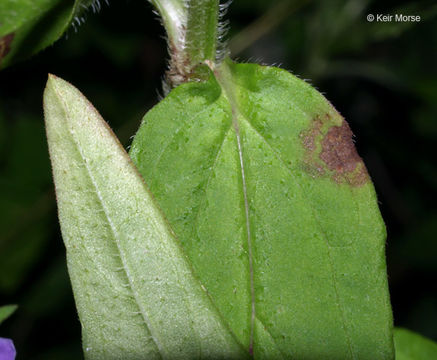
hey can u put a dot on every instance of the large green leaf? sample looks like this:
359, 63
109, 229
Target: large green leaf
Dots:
135, 293
28, 26
412, 346
258, 175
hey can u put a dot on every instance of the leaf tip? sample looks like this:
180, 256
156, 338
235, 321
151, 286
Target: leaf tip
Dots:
52, 78
6, 311
53, 84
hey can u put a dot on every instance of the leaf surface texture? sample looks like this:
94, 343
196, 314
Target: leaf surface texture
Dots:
259, 178
135, 292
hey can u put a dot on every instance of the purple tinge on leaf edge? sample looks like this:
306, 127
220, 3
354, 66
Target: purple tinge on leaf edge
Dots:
7, 349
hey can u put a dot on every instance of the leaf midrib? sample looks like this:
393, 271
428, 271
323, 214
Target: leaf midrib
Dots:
111, 224
322, 231
224, 78
222, 75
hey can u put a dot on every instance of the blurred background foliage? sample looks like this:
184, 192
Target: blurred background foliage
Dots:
381, 76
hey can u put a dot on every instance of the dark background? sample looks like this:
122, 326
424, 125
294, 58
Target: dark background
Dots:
381, 76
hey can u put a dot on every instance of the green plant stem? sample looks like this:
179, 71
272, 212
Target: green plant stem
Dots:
192, 29
202, 30
173, 15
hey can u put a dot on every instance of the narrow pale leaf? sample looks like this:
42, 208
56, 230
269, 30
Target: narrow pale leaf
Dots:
135, 293
258, 176
412, 346
6, 311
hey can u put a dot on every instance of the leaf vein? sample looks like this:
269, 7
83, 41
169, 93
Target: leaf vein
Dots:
173, 136
111, 224
271, 336
208, 181
322, 230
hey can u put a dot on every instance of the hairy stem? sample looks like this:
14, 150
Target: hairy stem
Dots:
192, 30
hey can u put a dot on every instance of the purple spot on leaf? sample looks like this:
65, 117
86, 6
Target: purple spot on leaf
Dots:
7, 349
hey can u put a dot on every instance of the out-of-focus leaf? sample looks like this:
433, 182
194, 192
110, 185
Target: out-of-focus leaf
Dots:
28, 26
135, 293
6, 311
258, 175
412, 346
